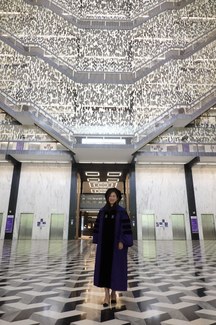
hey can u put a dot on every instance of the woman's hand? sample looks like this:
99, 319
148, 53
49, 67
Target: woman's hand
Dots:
120, 245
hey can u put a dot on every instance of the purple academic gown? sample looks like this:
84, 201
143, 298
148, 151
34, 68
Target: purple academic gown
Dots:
111, 227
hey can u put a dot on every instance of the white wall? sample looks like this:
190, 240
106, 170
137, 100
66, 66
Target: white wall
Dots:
44, 189
6, 173
161, 190
204, 179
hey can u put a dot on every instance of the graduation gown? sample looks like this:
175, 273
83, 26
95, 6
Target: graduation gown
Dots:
111, 227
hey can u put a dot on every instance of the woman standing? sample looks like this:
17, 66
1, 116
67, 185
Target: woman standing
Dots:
113, 236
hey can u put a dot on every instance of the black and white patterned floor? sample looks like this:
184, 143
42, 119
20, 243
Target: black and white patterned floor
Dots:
170, 283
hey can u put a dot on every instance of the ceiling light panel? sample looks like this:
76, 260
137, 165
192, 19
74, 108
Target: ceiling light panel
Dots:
114, 174
102, 184
103, 141
112, 180
92, 174
93, 179
98, 191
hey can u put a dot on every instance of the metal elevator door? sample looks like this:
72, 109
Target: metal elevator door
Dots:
57, 226
178, 226
148, 226
208, 226
25, 227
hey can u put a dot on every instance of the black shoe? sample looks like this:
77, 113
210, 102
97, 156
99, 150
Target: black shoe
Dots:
105, 304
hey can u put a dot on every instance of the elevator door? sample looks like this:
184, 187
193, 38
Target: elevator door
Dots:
148, 226
178, 226
208, 226
57, 226
26, 223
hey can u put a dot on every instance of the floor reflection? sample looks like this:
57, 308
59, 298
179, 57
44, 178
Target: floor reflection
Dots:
51, 282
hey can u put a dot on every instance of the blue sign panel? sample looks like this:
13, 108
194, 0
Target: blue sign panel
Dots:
194, 224
9, 224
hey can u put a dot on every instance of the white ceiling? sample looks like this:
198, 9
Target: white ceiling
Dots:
103, 154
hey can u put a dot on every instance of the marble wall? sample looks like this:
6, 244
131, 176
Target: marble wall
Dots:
161, 191
6, 173
44, 190
204, 179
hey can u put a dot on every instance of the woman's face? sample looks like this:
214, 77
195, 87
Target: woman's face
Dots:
112, 198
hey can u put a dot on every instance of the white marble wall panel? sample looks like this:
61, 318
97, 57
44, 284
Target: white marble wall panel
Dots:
6, 174
204, 179
161, 190
44, 189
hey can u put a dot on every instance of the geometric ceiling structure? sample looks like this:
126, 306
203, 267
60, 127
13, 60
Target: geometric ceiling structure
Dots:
119, 83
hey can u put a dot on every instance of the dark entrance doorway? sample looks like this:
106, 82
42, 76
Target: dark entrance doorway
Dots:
95, 179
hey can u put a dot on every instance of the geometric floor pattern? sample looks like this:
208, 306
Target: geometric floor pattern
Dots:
50, 283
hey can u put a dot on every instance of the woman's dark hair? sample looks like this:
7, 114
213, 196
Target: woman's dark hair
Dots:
116, 191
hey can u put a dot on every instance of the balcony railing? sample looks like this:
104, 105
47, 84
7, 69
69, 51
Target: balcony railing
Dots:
38, 114
169, 117
100, 76
122, 22
180, 148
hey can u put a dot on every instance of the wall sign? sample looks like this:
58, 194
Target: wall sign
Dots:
41, 223
9, 224
163, 223
194, 224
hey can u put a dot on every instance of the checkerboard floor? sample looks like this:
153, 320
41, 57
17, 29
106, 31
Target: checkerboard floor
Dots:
50, 283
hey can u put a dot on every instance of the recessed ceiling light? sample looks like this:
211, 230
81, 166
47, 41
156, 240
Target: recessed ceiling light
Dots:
92, 174
98, 184
112, 180
98, 191
114, 174
102, 184
93, 179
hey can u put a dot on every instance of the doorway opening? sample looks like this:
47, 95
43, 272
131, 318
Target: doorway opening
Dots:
87, 221
95, 179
